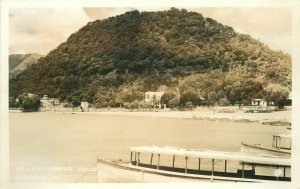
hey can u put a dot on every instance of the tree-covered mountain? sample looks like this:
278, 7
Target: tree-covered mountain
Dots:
115, 60
19, 62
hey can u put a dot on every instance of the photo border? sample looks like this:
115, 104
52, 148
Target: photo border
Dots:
6, 4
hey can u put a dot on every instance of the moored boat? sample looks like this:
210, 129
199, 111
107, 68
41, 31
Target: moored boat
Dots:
169, 164
277, 149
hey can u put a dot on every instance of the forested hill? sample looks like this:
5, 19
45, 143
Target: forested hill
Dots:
115, 60
19, 62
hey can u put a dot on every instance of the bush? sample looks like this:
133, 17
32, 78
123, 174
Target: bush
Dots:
31, 103
12, 102
190, 96
126, 105
189, 104
246, 102
145, 104
173, 103
134, 105
224, 102
166, 97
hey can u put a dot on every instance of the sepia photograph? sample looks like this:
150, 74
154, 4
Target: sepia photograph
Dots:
150, 94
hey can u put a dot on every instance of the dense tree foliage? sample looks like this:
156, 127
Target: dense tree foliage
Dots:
169, 98
112, 62
276, 93
28, 102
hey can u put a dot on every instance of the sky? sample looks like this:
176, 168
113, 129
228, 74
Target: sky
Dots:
39, 30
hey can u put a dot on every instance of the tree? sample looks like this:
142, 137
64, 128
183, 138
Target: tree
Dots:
224, 102
134, 105
190, 97
169, 48
75, 101
126, 105
189, 104
247, 89
104, 97
145, 104
129, 94
30, 103
12, 102
276, 93
174, 102
166, 97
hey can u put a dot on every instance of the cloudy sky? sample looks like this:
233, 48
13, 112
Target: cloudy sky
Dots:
39, 30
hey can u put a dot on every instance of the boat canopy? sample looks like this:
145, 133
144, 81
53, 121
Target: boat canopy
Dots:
236, 156
284, 135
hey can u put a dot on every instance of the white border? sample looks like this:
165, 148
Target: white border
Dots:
4, 158
151, 3
6, 4
296, 96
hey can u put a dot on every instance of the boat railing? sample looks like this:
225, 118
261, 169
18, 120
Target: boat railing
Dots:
247, 168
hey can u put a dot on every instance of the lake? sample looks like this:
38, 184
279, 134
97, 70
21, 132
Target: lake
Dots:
63, 147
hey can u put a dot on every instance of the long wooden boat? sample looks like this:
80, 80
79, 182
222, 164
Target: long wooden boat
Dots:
277, 149
263, 150
211, 166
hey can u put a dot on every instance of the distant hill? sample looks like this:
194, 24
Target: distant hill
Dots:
115, 60
19, 62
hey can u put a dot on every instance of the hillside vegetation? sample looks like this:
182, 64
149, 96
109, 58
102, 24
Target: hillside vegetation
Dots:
19, 62
113, 61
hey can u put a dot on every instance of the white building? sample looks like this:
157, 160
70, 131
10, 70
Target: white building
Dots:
154, 98
259, 102
290, 97
84, 106
49, 103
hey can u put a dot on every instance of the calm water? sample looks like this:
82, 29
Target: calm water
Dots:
56, 147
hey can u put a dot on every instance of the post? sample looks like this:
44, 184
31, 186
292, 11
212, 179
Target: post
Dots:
199, 164
243, 170
173, 161
279, 142
283, 171
213, 166
134, 156
158, 161
130, 157
138, 160
151, 159
225, 166
186, 159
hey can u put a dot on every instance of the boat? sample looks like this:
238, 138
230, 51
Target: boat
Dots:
170, 164
277, 148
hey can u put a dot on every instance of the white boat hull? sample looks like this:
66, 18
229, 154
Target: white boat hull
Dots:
262, 150
114, 172
110, 173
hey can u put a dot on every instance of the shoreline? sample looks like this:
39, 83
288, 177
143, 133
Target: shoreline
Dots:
282, 116
199, 114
